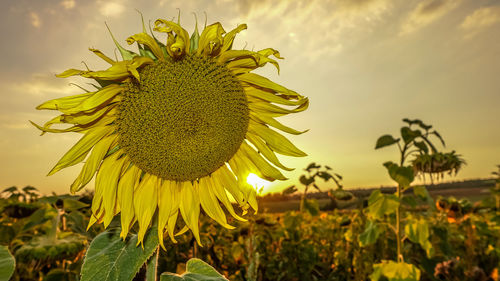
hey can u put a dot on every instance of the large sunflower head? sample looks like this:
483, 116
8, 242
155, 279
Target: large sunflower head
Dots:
179, 125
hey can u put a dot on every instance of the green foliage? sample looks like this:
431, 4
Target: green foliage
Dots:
380, 204
400, 174
371, 233
110, 258
418, 232
311, 206
385, 140
196, 270
395, 271
7, 263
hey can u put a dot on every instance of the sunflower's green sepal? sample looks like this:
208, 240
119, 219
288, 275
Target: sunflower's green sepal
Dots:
195, 38
126, 54
146, 52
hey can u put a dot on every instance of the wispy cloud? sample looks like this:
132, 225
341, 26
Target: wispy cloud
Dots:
68, 4
35, 19
425, 13
111, 9
480, 19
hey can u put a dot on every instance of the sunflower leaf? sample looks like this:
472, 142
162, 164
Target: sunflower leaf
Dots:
110, 258
7, 263
196, 269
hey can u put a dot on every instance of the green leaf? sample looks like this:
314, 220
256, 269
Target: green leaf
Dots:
382, 204
110, 258
324, 175
404, 176
422, 146
311, 206
409, 135
72, 204
409, 200
289, 190
196, 270
371, 233
418, 232
422, 193
385, 140
7, 263
439, 137
151, 269
395, 271
305, 180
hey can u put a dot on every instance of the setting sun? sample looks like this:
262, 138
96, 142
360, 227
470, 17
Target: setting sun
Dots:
257, 183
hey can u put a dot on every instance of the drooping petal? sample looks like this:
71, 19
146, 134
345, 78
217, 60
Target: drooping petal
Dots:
145, 202
265, 119
265, 150
125, 194
99, 98
80, 150
190, 207
108, 176
168, 204
275, 140
269, 172
90, 167
209, 202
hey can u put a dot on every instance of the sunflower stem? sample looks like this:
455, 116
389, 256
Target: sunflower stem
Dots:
156, 262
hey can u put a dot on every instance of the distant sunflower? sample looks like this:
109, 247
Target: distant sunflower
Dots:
176, 126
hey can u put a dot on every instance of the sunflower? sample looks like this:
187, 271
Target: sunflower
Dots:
179, 125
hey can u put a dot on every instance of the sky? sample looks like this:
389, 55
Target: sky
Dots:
364, 64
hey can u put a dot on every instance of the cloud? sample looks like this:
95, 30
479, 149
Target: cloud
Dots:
35, 20
68, 4
480, 19
111, 9
425, 13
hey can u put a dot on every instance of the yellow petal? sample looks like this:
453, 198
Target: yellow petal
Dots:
108, 175
126, 186
144, 38
274, 110
102, 56
211, 40
265, 150
65, 102
263, 82
274, 140
190, 207
80, 150
177, 45
119, 71
85, 118
270, 96
229, 37
172, 221
168, 204
106, 120
265, 119
246, 63
242, 168
90, 167
209, 202
269, 172
100, 98
220, 184
145, 202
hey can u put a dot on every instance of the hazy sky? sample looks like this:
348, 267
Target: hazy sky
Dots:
364, 64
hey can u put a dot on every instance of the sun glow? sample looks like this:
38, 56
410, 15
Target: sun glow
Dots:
257, 183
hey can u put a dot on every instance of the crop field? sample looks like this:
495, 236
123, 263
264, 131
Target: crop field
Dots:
48, 238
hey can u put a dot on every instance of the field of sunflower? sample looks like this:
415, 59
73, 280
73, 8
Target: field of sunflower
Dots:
47, 236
